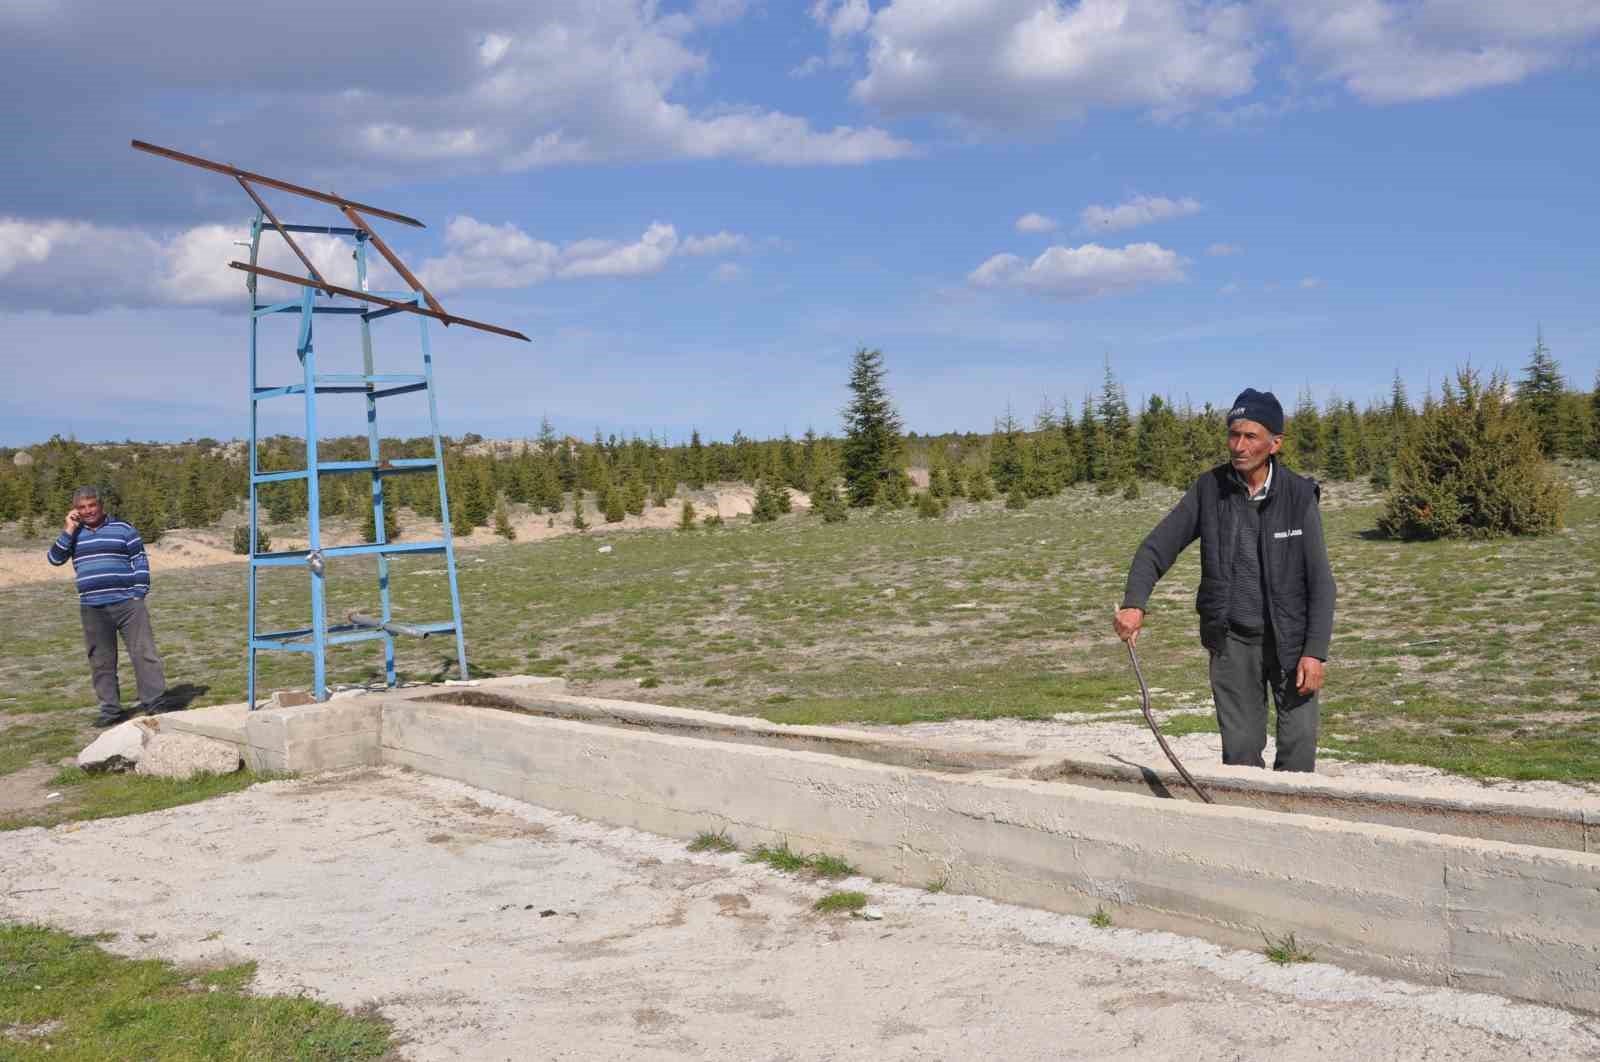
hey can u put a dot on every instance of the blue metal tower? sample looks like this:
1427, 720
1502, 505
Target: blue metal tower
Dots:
316, 638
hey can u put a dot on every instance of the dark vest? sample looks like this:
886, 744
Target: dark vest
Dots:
1283, 561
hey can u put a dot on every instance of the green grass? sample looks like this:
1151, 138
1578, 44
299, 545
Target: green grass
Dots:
102, 796
1101, 919
24, 746
993, 614
64, 998
712, 842
790, 862
838, 902
1285, 950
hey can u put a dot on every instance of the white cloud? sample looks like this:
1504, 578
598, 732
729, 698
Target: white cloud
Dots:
811, 65
1082, 272
719, 243
1001, 65
1140, 210
480, 255
1011, 63
1310, 282
728, 272
1392, 51
1224, 250
493, 87
843, 18
76, 266
1036, 223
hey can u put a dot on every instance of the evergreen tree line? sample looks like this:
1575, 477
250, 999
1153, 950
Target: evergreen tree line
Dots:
1103, 442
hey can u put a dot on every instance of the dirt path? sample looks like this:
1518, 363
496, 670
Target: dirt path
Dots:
489, 929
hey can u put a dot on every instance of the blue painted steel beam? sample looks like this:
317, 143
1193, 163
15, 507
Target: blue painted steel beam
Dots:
277, 477
326, 230
390, 392
265, 311
290, 558
369, 377
397, 466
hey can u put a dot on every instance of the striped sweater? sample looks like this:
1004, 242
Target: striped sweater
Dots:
109, 562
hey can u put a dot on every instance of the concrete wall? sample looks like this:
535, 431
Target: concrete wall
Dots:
1488, 915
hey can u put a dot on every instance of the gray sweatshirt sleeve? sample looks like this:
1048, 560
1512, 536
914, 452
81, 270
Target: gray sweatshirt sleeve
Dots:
1161, 547
1320, 591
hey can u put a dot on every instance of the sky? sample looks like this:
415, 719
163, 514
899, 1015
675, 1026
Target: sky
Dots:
699, 210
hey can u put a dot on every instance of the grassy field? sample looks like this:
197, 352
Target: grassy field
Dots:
1478, 658
63, 997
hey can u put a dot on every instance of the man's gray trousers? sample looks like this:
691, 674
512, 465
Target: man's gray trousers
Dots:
1241, 674
101, 625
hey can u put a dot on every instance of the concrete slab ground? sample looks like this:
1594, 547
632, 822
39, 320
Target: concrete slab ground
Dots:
428, 898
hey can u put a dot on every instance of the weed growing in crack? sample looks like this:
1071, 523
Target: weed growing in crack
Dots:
791, 862
705, 841
1285, 950
835, 902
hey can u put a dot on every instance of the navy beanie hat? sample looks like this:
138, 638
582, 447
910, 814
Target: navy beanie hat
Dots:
1262, 407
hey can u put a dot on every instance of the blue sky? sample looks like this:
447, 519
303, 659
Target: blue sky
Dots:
698, 210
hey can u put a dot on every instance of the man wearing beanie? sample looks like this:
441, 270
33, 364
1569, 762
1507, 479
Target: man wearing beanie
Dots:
1266, 591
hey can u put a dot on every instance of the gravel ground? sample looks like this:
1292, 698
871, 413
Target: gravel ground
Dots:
490, 929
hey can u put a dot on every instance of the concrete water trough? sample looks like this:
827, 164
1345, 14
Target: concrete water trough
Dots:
1499, 894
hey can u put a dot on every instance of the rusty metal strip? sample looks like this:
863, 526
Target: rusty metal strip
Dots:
273, 182
322, 281
393, 259
367, 296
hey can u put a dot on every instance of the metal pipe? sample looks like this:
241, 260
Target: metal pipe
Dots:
361, 619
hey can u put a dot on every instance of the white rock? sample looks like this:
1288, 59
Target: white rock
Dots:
603, 549
117, 749
872, 914
186, 755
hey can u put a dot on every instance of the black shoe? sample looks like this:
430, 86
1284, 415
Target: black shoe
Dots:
103, 720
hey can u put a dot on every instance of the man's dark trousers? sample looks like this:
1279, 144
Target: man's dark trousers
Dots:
1241, 674
101, 624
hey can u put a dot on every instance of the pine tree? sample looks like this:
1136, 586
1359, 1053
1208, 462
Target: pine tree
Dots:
1016, 499
612, 505
635, 494
1005, 453
1092, 440
1594, 418
1117, 425
391, 522
502, 520
872, 435
1305, 443
461, 524
765, 509
1539, 393
828, 504
686, 516
578, 521
194, 509
695, 473
1472, 468
929, 506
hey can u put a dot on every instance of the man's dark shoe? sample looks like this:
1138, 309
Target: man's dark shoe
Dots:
103, 720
